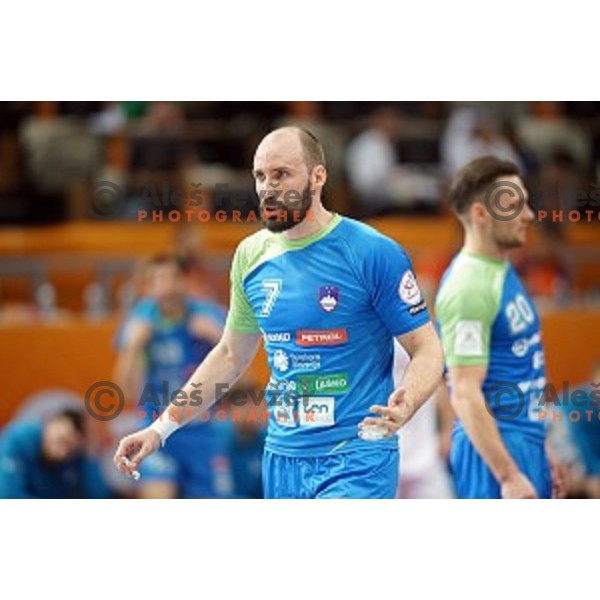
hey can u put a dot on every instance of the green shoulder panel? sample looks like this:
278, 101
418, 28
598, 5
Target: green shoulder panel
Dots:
250, 254
466, 307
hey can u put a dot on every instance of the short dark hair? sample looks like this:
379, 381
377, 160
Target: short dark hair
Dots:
74, 416
312, 149
167, 259
474, 178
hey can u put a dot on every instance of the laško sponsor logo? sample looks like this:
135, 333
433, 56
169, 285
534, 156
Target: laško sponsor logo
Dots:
318, 384
321, 337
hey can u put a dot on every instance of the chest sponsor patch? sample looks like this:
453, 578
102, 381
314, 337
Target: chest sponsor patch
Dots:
279, 336
284, 361
317, 412
334, 383
321, 337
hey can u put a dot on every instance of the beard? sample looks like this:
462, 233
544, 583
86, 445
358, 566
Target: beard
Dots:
287, 217
508, 241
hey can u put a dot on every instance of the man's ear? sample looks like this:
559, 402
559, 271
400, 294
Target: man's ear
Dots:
477, 212
319, 176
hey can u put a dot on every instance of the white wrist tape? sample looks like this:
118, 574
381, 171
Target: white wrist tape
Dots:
165, 426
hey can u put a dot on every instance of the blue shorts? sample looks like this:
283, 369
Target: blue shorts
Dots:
365, 473
473, 478
195, 460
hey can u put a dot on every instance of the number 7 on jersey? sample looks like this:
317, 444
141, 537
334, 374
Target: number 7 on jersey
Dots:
272, 289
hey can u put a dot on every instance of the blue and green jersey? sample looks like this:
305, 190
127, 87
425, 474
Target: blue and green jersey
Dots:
486, 317
328, 307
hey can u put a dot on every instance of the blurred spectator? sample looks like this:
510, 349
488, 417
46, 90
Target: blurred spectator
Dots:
47, 459
545, 130
471, 133
111, 119
559, 186
160, 144
59, 152
380, 182
309, 115
158, 157
545, 268
371, 160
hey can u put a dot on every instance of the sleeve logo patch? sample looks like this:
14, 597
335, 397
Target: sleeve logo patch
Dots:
408, 289
469, 339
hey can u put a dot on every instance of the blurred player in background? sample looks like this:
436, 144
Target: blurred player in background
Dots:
47, 459
328, 295
423, 444
164, 338
575, 432
491, 335
245, 433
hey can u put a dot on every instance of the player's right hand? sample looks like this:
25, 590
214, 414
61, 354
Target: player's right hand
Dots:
134, 448
517, 487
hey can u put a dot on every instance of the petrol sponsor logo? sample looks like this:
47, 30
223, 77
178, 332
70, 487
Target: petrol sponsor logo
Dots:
333, 383
321, 337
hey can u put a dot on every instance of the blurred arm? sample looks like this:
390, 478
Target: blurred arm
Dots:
129, 370
468, 402
215, 376
424, 371
441, 397
205, 328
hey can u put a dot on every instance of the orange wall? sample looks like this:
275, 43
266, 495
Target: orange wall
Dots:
77, 353
142, 239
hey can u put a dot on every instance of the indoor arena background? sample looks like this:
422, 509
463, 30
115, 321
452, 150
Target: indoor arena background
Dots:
76, 177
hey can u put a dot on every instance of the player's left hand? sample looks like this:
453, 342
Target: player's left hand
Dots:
393, 416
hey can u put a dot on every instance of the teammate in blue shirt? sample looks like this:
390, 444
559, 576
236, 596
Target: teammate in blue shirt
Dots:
492, 340
164, 338
327, 295
47, 460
